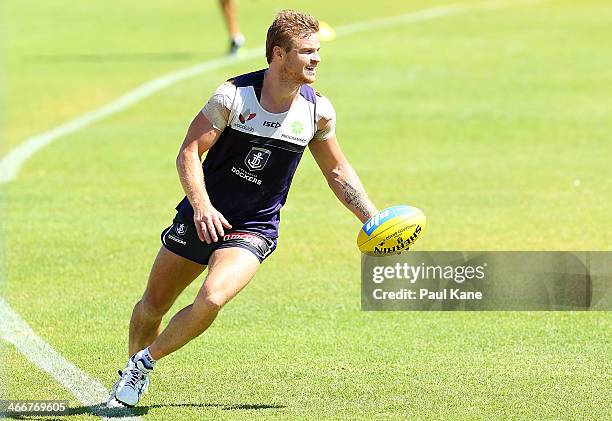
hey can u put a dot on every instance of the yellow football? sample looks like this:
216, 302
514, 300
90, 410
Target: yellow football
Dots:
391, 231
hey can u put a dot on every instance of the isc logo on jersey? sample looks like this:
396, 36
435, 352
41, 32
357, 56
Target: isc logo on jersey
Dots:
393, 230
273, 124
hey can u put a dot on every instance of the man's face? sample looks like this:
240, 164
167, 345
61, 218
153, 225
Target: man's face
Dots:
301, 61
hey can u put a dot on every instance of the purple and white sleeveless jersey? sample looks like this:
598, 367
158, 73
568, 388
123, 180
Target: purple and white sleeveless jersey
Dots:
248, 171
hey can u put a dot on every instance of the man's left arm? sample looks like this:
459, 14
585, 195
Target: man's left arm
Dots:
341, 177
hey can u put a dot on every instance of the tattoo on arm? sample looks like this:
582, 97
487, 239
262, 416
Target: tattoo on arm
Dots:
354, 197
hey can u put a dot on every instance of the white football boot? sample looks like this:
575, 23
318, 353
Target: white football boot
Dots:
132, 383
111, 402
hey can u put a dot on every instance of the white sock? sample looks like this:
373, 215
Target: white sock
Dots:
238, 39
145, 355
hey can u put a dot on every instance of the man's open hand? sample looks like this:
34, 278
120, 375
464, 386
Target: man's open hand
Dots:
209, 223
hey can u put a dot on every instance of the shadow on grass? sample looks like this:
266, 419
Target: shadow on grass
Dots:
102, 411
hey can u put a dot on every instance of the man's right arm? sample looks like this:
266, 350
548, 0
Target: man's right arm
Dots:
200, 137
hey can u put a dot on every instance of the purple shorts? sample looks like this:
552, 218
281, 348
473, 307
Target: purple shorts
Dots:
182, 238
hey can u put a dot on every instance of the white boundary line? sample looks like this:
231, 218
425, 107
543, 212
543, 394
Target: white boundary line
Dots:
13, 328
90, 392
428, 14
14, 160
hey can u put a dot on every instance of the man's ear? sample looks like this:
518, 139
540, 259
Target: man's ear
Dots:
277, 51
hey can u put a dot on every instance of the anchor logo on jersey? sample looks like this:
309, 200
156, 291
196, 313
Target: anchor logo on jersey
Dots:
257, 158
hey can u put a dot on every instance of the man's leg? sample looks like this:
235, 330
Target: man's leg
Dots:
229, 14
170, 275
229, 270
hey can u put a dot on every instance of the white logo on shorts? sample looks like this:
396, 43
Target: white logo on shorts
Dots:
181, 229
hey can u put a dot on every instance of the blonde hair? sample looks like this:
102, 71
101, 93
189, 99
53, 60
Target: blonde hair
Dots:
288, 25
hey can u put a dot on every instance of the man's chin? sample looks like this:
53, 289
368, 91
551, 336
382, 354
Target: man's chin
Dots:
298, 78
309, 78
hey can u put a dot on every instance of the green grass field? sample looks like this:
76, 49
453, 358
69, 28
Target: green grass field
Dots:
497, 123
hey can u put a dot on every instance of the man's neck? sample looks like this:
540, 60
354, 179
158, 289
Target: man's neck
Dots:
277, 94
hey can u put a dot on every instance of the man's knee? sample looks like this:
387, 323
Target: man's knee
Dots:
154, 305
209, 301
